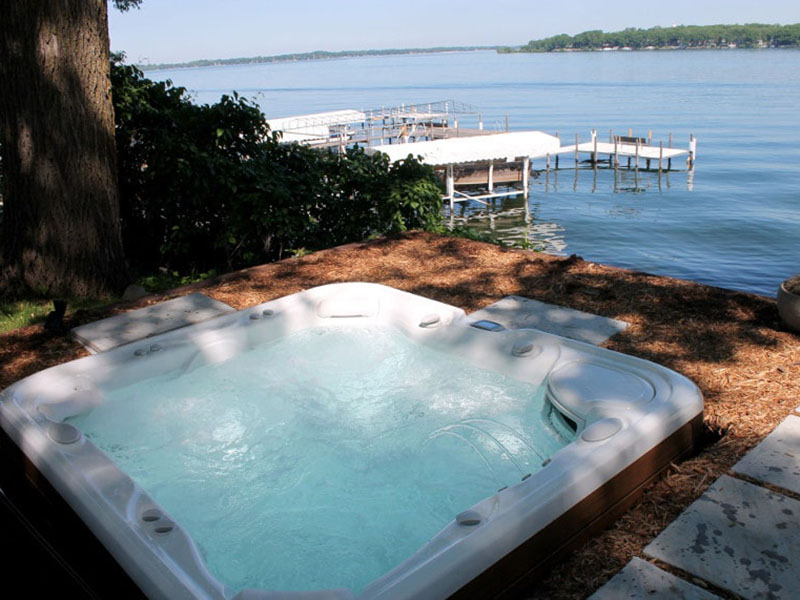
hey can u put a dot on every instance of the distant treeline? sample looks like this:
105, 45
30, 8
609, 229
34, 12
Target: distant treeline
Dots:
316, 55
751, 35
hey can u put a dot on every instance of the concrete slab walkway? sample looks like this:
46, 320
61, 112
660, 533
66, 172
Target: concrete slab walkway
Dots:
776, 460
641, 580
739, 536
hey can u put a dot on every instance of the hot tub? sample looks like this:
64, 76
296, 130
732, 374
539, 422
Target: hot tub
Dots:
348, 441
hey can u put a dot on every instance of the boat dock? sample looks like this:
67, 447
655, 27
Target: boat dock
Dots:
630, 147
494, 166
385, 126
472, 161
486, 164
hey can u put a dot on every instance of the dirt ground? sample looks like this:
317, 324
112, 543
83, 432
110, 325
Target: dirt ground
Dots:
733, 345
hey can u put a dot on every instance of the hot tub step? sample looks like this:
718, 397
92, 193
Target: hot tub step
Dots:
148, 321
516, 312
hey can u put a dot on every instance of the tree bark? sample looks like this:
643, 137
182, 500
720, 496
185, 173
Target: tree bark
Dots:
61, 230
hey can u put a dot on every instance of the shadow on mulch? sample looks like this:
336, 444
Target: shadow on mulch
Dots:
733, 345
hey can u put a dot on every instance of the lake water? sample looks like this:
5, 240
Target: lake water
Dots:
733, 222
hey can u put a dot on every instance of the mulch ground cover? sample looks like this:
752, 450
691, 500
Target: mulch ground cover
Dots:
732, 345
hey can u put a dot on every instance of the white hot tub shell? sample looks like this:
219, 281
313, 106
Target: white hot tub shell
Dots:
624, 411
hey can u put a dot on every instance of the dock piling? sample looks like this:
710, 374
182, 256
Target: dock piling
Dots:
577, 156
526, 172
451, 187
559, 143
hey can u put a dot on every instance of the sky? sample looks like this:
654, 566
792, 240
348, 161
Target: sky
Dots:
183, 30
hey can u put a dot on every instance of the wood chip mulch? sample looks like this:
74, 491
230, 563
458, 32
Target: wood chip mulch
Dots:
733, 345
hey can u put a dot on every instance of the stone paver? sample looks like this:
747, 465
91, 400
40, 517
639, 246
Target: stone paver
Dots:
740, 537
516, 312
776, 459
640, 580
148, 321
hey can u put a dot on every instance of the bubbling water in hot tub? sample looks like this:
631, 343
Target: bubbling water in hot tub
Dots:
324, 458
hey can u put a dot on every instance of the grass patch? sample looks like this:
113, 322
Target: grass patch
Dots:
477, 235
21, 313
30, 311
462, 231
165, 280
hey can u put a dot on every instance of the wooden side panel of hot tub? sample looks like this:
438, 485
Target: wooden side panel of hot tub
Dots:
519, 570
48, 547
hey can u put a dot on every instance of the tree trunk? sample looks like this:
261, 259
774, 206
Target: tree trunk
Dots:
61, 231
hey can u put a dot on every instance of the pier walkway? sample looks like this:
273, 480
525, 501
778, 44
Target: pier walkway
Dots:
631, 150
631, 147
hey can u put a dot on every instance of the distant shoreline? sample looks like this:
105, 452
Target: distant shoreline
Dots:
677, 37
302, 56
682, 37
513, 50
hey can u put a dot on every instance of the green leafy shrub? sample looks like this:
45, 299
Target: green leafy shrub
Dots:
209, 187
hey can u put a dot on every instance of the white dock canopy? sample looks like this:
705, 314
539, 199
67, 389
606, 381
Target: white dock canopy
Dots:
498, 147
316, 127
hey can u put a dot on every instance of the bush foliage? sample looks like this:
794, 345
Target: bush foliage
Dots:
209, 187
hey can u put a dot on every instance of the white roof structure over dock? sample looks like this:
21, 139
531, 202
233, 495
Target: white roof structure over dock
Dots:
314, 127
500, 147
497, 147
367, 127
